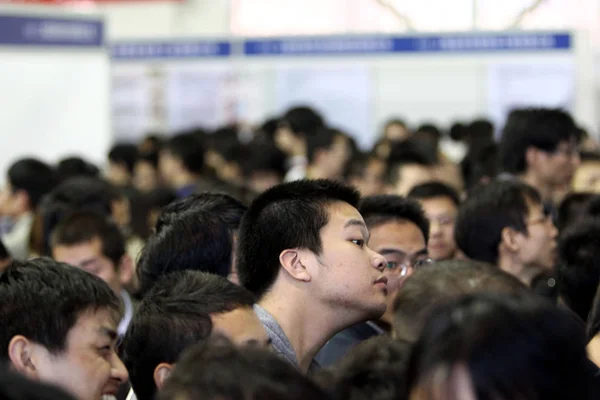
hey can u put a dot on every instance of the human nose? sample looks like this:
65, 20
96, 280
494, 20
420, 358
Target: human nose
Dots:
118, 371
378, 261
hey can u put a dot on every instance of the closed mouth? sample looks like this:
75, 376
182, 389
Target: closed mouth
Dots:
383, 280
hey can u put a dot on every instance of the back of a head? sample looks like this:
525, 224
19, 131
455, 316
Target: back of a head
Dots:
34, 177
175, 314
578, 269
72, 167
263, 156
501, 348
15, 386
407, 152
286, 216
76, 194
441, 282
189, 149
216, 370
303, 120
83, 227
42, 299
572, 209
372, 370
488, 210
226, 207
431, 190
198, 241
124, 154
541, 128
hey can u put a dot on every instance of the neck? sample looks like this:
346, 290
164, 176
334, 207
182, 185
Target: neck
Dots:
545, 189
307, 330
184, 179
522, 272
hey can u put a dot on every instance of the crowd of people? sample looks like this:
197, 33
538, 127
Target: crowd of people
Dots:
283, 262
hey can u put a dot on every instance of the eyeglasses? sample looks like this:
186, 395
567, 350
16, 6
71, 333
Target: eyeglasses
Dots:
403, 266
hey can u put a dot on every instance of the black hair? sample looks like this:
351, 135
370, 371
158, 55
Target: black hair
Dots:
541, 128
174, 315
4, 255
488, 210
441, 282
34, 177
407, 152
268, 129
263, 157
198, 240
72, 167
578, 268
303, 120
124, 154
226, 207
76, 194
15, 386
286, 216
380, 209
217, 370
572, 209
150, 158
83, 227
322, 140
372, 370
42, 299
517, 347
432, 190
479, 164
189, 150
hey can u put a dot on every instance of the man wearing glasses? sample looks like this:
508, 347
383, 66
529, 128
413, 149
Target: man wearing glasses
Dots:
399, 231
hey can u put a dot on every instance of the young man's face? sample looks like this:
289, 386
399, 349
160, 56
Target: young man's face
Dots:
558, 168
441, 212
241, 326
89, 367
167, 165
348, 275
145, 177
117, 174
403, 245
538, 247
89, 257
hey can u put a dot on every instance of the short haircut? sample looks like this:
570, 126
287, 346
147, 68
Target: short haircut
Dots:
408, 152
373, 369
487, 211
223, 205
572, 209
83, 227
441, 282
322, 140
72, 167
578, 269
432, 190
124, 154
150, 158
517, 347
42, 299
217, 370
15, 386
542, 128
263, 157
33, 176
286, 216
198, 241
189, 150
303, 120
175, 314
76, 194
429, 129
381, 209
480, 163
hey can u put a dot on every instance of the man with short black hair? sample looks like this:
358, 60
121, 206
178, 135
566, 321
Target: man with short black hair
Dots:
303, 252
398, 231
540, 147
504, 223
28, 180
440, 203
182, 309
327, 152
408, 166
59, 327
90, 241
121, 162
181, 163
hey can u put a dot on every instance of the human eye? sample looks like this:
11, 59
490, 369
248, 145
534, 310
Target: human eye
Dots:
423, 262
358, 242
391, 265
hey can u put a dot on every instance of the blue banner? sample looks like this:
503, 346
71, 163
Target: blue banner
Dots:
40, 31
458, 43
187, 49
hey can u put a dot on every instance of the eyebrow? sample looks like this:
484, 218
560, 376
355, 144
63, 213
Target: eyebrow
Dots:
360, 224
421, 252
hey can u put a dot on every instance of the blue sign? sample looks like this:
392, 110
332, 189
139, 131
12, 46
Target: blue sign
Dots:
187, 49
39, 31
458, 43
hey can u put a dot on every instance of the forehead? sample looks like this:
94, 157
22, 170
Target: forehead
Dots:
438, 204
91, 248
340, 212
92, 325
400, 235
